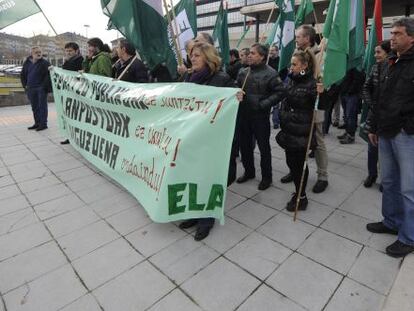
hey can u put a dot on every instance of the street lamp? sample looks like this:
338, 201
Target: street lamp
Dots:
86, 29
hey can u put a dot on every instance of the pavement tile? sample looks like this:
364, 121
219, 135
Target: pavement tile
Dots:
112, 205
247, 189
98, 192
47, 293
76, 173
315, 214
232, 200
131, 291
353, 296
9, 191
71, 221
379, 242
58, 206
220, 286
39, 183
251, 214
183, 259
284, 230
175, 300
375, 270
106, 262
29, 265
17, 220
273, 197
6, 180
48, 194
11, 205
84, 241
222, 238
258, 255
86, 182
365, 203
16, 242
85, 303
348, 226
154, 237
266, 299
129, 220
324, 247
30, 173
65, 165
305, 282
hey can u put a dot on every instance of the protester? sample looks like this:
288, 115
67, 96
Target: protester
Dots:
73, 62
392, 128
305, 39
370, 93
98, 62
274, 63
235, 64
263, 89
206, 65
137, 72
36, 81
244, 53
351, 88
296, 115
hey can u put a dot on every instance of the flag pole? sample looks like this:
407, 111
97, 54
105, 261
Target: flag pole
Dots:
267, 23
127, 67
316, 23
50, 24
176, 26
179, 57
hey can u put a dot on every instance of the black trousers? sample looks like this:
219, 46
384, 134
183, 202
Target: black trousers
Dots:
295, 160
256, 128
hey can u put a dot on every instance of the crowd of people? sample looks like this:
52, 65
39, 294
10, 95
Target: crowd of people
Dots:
288, 98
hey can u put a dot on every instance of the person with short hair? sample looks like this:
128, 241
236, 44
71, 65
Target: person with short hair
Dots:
392, 129
263, 89
244, 53
137, 71
97, 62
235, 65
35, 80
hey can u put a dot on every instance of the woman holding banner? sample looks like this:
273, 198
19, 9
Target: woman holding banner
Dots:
206, 65
296, 116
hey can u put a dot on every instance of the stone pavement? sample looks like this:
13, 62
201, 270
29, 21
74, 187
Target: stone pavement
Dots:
72, 239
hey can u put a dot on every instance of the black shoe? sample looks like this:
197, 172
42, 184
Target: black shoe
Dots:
320, 186
348, 139
341, 136
379, 227
264, 184
369, 181
303, 203
275, 126
244, 178
188, 223
286, 179
202, 233
311, 154
380, 188
399, 249
342, 127
335, 124
41, 128
33, 127
65, 142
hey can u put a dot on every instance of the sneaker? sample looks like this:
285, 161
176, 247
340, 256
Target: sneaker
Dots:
369, 181
264, 184
347, 140
379, 227
244, 178
286, 179
320, 186
399, 249
303, 203
33, 127
341, 136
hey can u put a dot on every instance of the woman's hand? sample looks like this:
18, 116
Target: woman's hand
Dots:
182, 69
240, 95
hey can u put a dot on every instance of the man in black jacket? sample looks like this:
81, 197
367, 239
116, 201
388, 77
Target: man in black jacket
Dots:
235, 65
392, 128
137, 72
263, 89
36, 81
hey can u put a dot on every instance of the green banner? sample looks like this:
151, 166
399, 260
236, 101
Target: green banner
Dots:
167, 144
12, 11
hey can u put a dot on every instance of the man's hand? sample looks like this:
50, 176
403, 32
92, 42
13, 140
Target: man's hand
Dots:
319, 88
239, 95
373, 138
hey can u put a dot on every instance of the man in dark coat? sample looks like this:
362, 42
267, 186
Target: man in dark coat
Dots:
137, 72
235, 65
263, 89
35, 79
392, 128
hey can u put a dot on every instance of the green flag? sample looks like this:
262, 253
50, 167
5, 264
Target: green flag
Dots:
185, 23
336, 31
287, 26
14, 11
356, 35
375, 37
275, 34
143, 24
304, 9
221, 35
242, 37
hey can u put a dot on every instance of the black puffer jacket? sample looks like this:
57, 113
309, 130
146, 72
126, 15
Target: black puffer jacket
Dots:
296, 113
137, 72
74, 63
218, 79
353, 82
263, 89
395, 107
371, 91
234, 68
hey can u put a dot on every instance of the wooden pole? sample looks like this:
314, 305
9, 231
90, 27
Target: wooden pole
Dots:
316, 23
127, 67
179, 57
267, 24
176, 27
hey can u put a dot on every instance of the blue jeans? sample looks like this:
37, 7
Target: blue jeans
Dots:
38, 99
397, 170
372, 160
350, 103
275, 116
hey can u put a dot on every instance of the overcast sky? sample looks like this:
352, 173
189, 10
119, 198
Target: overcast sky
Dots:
66, 16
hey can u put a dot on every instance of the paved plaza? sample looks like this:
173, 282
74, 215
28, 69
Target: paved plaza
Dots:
71, 239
